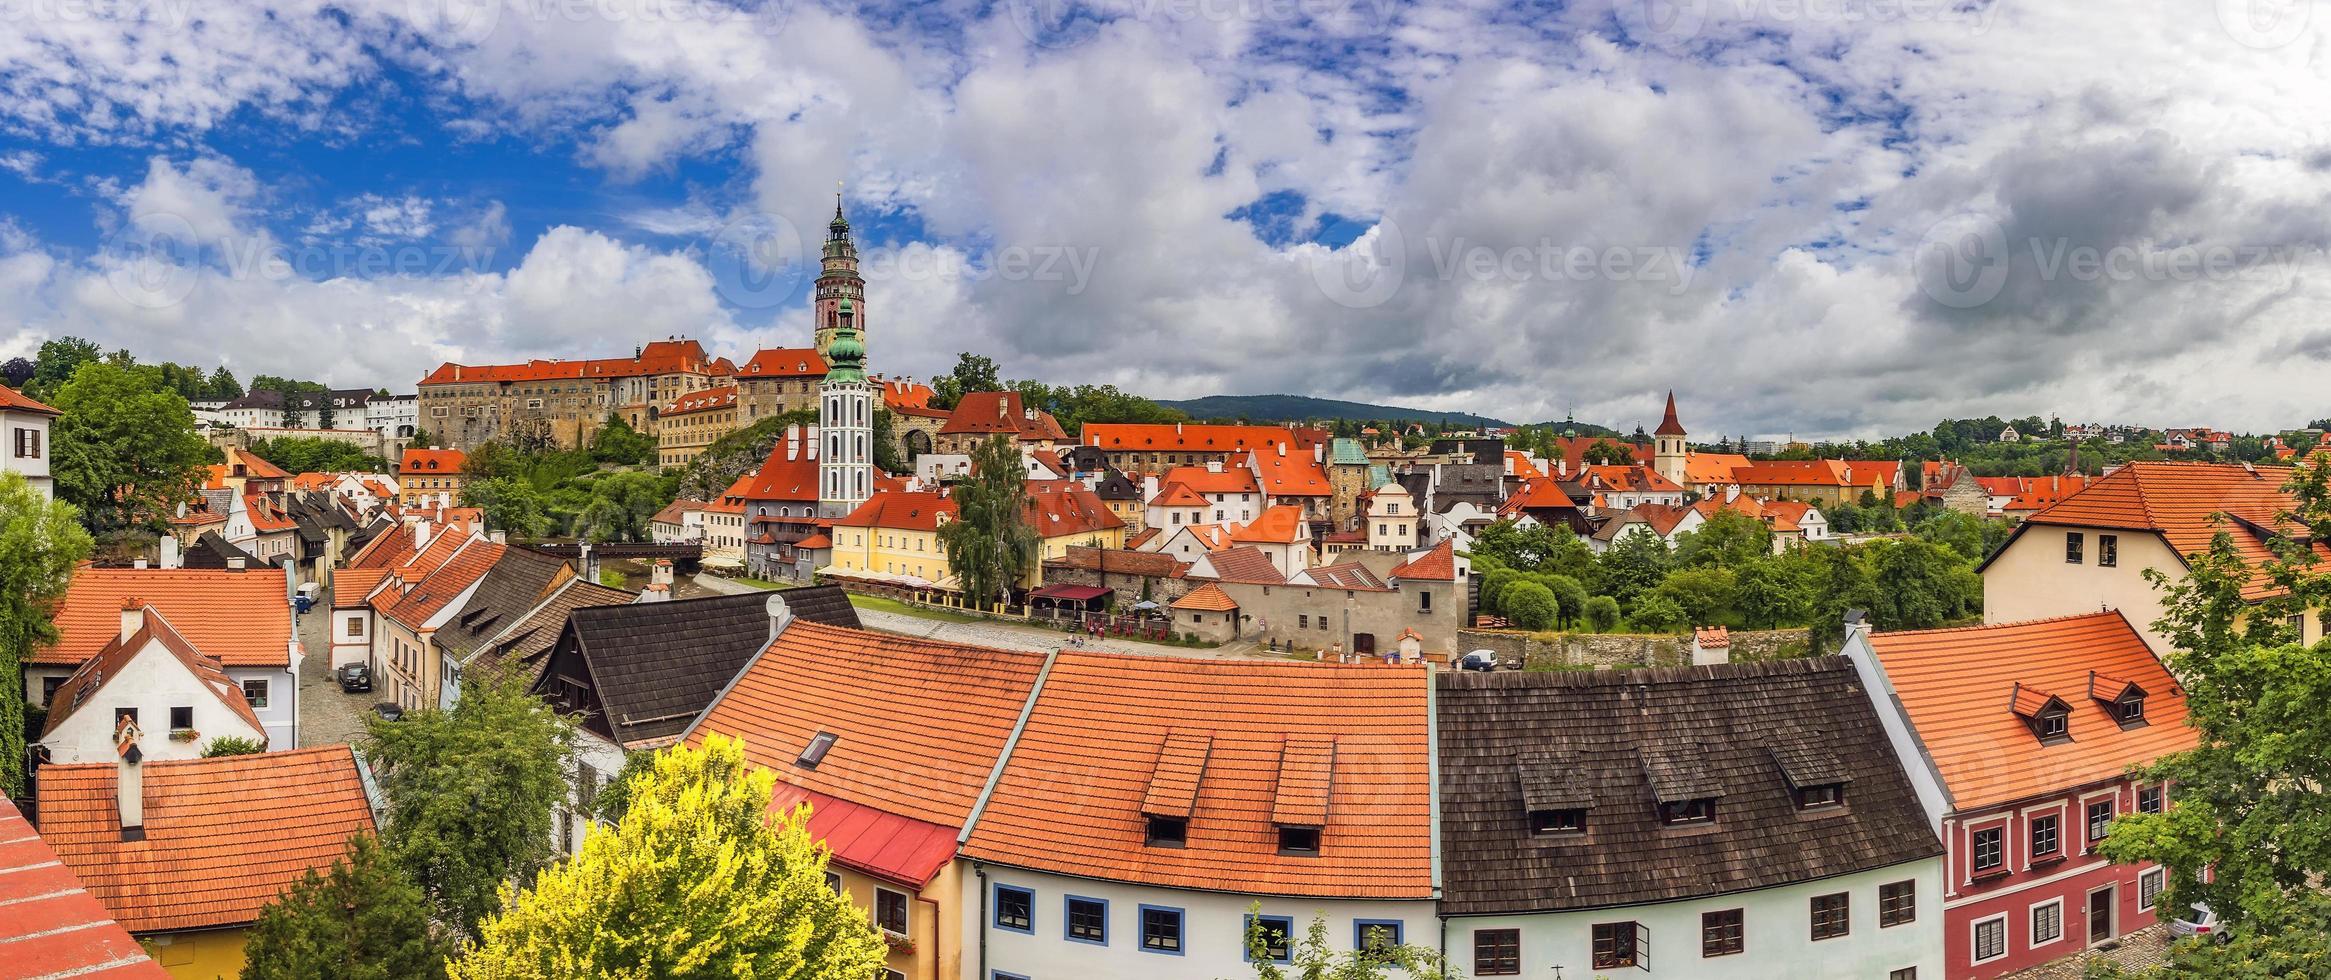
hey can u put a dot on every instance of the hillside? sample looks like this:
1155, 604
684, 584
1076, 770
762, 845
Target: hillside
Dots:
1299, 408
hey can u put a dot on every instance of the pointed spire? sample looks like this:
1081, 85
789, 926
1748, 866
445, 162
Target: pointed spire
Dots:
1668, 426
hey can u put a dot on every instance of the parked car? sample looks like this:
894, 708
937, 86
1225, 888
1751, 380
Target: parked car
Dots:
355, 678
389, 710
1478, 660
2198, 921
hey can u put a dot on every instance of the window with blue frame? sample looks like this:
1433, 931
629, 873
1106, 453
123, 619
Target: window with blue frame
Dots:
1161, 930
1015, 909
1088, 920
1278, 937
1001, 975
1374, 936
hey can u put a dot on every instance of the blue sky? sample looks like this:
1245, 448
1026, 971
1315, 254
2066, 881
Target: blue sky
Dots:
1785, 211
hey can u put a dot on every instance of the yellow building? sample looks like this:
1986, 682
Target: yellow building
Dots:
894, 536
430, 477
693, 421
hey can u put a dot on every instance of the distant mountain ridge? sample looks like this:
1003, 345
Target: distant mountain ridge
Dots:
1298, 408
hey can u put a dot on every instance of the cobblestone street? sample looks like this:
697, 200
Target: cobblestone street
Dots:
326, 716
2139, 949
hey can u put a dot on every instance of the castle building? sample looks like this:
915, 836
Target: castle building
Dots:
1669, 456
840, 290
845, 419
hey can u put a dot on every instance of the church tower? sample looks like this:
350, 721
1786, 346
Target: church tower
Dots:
840, 291
1668, 452
845, 420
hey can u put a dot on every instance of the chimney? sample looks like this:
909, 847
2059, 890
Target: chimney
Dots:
661, 574
780, 615
1857, 621
420, 536
130, 789
1282, 450
236, 563
133, 616
499, 537
170, 556
655, 592
1177, 428
138, 563
1711, 645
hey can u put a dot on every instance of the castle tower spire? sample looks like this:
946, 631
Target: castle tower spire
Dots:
838, 282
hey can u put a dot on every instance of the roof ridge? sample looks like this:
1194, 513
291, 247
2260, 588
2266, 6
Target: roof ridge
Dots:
2068, 617
1639, 676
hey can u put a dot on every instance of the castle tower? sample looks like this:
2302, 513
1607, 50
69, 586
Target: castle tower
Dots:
840, 291
1668, 452
845, 419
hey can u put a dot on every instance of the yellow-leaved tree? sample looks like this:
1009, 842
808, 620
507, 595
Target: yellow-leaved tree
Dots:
696, 880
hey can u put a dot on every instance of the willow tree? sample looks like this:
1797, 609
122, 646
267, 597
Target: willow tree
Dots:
696, 880
989, 544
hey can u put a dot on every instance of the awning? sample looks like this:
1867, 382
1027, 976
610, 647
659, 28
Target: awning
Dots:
1070, 593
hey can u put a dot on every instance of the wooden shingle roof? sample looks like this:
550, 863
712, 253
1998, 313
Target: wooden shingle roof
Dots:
1631, 738
655, 666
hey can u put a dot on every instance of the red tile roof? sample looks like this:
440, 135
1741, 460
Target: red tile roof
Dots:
1244, 563
1796, 473
54, 927
1536, 494
658, 357
1067, 508
909, 398
2179, 501
1234, 744
1629, 477
1958, 687
114, 660
1278, 524
702, 401
783, 362
1177, 495
351, 585
223, 837
987, 412
242, 618
430, 462
1668, 425
1439, 564
12, 400
2032, 493
1293, 475
1206, 598
254, 467
1185, 437
430, 595
1232, 479
920, 723
901, 510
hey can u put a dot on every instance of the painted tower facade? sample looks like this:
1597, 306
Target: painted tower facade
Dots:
840, 290
1668, 452
845, 418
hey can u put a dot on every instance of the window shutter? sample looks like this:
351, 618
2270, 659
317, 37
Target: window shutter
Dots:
1642, 947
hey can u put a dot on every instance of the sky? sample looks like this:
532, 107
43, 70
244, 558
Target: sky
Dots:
1809, 217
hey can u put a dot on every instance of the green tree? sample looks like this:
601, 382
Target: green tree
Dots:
696, 881
1314, 958
1524, 548
56, 363
1961, 532
470, 793
1602, 613
222, 386
123, 450
622, 507
1771, 592
619, 443
226, 745
1921, 585
1530, 605
989, 545
509, 504
1729, 539
421, 438
973, 372
312, 454
889, 455
1634, 564
1569, 598
1704, 594
1494, 584
1656, 613
41, 541
1843, 583
362, 919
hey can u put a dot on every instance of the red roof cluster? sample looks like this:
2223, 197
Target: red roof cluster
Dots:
1001, 412
2181, 502
784, 362
1186, 437
54, 927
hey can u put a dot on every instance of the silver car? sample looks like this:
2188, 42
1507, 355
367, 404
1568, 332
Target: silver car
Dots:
2198, 921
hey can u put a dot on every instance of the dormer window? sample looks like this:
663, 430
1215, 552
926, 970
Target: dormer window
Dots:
2122, 699
2048, 716
2130, 710
1167, 832
2053, 726
1299, 841
1688, 812
1556, 823
1821, 797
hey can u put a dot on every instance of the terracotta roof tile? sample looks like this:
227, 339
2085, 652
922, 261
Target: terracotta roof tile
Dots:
1206, 598
783, 362
1185, 437
1068, 509
242, 618
2180, 500
1795, 473
1439, 564
1001, 412
901, 510
1961, 688
54, 927
704, 400
1072, 795
1292, 475
658, 357
1177, 495
431, 462
223, 837
1232, 479
12, 400
1244, 563
431, 594
1278, 524
112, 661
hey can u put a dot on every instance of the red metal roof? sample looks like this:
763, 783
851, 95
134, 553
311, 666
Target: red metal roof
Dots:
877, 842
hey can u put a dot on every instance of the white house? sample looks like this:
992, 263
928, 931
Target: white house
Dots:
1734, 820
175, 696
1666, 522
25, 423
1148, 802
1391, 520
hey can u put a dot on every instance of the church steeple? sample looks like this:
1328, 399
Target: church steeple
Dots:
1669, 452
838, 282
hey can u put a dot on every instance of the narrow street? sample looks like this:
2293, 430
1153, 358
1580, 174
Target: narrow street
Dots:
326, 716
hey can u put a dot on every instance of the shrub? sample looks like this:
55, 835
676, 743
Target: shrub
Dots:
1602, 613
1657, 614
1530, 606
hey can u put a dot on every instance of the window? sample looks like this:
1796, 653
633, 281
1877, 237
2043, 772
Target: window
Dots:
1614, 945
1821, 796
1299, 840
255, 691
2047, 922
2148, 799
1278, 937
1688, 812
1303, 621
1168, 832
1015, 909
1088, 920
48, 689
1905, 973
834, 883
2129, 711
1832, 916
1546, 822
27, 443
2149, 886
1424, 602
355, 626
890, 911
2052, 726
2108, 550
2099, 817
815, 751
1897, 903
1497, 952
1721, 933
2045, 837
1990, 939
2072, 547
1988, 852
1377, 937
1161, 930
181, 719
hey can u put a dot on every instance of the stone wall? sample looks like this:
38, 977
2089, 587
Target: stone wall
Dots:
1558, 651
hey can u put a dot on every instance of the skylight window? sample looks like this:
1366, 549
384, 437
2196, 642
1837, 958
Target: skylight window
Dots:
816, 751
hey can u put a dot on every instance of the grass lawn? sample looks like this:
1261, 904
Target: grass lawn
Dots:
881, 604
763, 584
